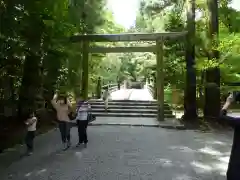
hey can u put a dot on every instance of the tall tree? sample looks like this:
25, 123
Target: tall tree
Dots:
190, 105
32, 32
212, 87
33, 56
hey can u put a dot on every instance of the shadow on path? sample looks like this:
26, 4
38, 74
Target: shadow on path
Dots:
127, 153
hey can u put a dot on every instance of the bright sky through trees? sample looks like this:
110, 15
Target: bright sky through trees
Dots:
125, 10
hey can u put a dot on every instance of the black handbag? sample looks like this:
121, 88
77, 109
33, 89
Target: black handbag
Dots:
91, 117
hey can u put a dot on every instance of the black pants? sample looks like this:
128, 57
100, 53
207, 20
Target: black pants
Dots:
64, 128
82, 131
234, 161
29, 140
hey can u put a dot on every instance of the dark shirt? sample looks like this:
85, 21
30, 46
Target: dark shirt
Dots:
234, 161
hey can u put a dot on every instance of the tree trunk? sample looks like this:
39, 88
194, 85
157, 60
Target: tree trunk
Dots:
155, 86
51, 66
212, 88
85, 72
99, 88
31, 79
190, 105
201, 85
30, 84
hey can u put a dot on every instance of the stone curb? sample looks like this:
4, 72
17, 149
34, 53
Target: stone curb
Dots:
119, 124
178, 127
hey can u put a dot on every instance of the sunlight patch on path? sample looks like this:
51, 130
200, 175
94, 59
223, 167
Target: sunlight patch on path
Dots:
155, 152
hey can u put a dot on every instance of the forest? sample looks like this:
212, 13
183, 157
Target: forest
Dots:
36, 59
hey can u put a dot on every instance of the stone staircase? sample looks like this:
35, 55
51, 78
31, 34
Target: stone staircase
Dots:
128, 108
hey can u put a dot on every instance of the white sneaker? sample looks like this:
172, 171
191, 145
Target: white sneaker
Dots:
29, 153
64, 146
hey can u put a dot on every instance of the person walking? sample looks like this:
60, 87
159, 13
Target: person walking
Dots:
234, 161
105, 98
118, 83
83, 108
31, 124
63, 107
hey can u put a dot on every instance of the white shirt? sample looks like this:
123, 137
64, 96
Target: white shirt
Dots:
105, 94
32, 124
82, 112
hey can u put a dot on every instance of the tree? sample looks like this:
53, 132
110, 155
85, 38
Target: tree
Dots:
212, 88
190, 105
34, 54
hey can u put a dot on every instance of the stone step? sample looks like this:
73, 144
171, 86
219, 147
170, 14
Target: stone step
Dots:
129, 115
127, 103
110, 106
122, 106
129, 111
124, 101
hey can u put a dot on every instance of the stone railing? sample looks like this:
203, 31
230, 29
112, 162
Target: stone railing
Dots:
111, 88
152, 90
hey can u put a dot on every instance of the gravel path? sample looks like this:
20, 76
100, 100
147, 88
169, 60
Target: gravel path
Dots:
124, 153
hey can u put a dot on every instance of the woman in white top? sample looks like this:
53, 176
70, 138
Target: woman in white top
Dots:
63, 108
82, 111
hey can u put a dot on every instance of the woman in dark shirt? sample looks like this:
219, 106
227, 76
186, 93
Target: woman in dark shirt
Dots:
233, 172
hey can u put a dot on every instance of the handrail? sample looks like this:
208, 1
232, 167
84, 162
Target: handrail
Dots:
152, 90
100, 87
109, 85
111, 89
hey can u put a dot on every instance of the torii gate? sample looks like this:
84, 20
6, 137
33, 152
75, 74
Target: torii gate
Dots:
159, 38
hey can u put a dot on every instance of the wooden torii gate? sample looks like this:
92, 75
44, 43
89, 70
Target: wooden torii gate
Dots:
159, 38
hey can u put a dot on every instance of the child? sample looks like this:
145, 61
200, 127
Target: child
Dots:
31, 123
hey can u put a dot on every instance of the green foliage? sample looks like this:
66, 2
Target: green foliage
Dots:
36, 59
155, 16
